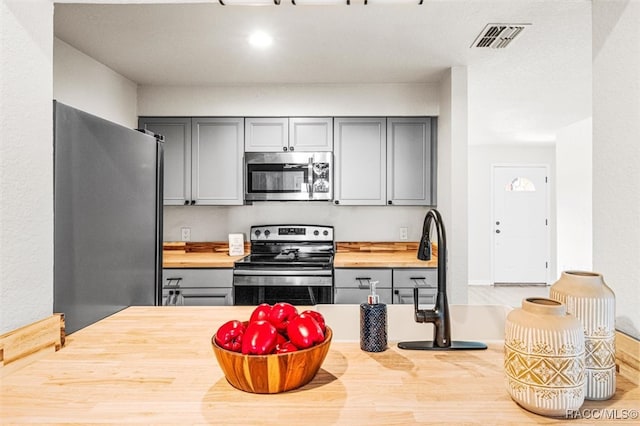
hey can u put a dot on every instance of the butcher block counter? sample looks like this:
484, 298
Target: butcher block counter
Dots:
348, 255
155, 365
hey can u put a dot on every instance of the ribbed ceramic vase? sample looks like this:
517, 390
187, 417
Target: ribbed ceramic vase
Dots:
544, 357
588, 298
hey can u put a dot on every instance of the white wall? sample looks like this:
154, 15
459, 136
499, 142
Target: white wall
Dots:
82, 82
616, 154
453, 145
289, 99
26, 165
574, 175
481, 159
352, 223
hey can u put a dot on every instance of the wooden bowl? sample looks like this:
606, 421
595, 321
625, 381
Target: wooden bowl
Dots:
272, 373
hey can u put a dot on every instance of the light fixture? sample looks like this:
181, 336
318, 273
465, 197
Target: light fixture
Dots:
248, 2
260, 39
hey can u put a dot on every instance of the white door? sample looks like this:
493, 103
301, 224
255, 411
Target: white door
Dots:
520, 224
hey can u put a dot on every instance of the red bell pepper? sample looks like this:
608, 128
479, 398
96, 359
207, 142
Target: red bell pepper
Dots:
261, 312
318, 317
280, 315
286, 347
304, 331
229, 335
259, 338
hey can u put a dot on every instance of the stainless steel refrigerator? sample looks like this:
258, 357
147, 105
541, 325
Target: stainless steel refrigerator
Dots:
107, 217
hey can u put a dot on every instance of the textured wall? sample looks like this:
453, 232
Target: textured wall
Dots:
616, 154
26, 165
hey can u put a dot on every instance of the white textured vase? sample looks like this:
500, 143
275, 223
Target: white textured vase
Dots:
544, 357
588, 298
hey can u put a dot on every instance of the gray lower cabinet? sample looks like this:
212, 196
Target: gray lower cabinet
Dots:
197, 287
202, 159
352, 285
405, 280
395, 286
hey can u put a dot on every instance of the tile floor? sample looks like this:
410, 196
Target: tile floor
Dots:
504, 295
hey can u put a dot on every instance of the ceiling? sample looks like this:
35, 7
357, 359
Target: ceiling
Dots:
524, 93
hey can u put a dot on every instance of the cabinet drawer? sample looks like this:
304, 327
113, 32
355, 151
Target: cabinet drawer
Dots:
359, 278
410, 278
357, 296
198, 297
197, 278
404, 296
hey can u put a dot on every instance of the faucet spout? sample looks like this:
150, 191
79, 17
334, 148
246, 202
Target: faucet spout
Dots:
439, 315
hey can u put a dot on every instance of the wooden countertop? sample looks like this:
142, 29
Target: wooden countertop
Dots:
155, 365
399, 259
349, 255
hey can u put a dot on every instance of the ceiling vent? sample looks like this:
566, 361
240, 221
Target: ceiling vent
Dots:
498, 36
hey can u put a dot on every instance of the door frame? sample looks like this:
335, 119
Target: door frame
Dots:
547, 212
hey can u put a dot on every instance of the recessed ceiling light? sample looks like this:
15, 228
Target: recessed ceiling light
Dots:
260, 39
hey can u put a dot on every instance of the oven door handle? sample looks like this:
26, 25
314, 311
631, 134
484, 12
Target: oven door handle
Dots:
259, 272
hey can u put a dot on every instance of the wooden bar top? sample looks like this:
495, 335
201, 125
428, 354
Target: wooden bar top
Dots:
155, 365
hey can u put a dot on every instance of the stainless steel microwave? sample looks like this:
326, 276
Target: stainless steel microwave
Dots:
288, 176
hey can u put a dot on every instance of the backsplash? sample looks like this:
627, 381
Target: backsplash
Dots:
351, 223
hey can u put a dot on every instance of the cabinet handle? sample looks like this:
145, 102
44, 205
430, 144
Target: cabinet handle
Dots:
363, 286
389, 202
336, 202
186, 202
284, 148
193, 202
290, 148
418, 278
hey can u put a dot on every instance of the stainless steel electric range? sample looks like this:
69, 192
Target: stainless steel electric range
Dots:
287, 263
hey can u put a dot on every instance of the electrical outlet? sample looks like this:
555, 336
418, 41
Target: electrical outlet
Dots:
404, 233
186, 234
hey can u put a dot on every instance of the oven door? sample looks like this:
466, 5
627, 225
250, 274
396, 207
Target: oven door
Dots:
287, 176
302, 288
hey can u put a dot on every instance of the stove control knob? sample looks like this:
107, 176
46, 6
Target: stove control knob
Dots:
316, 232
267, 233
257, 232
325, 233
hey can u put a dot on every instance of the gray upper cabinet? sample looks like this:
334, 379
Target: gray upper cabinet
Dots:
177, 155
216, 161
410, 161
266, 134
311, 134
202, 159
360, 161
273, 134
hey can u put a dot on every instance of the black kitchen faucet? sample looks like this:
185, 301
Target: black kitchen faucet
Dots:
439, 315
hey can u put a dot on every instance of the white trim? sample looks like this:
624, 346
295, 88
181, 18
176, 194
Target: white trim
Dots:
479, 283
547, 209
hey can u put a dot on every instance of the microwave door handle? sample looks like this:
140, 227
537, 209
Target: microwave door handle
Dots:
310, 178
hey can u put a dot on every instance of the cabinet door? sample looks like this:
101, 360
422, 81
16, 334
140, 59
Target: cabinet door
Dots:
217, 150
266, 134
410, 161
360, 161
311, 134
177, 155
